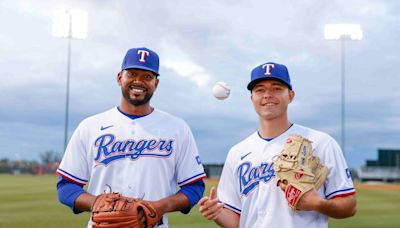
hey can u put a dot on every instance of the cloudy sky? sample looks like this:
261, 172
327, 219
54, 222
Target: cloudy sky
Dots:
200, 43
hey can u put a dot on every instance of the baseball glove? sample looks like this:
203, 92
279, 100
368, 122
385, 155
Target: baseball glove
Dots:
113, 210
298, 169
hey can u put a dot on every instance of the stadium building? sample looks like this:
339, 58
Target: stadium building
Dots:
386, 168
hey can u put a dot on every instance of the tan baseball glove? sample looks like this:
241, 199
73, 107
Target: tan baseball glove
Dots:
298, 169
113, 210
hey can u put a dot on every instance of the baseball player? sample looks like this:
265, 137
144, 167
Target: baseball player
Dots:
134, 149
248, 195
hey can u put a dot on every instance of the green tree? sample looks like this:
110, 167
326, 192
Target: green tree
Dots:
50, 156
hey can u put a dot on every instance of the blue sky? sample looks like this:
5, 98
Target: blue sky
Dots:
200, 43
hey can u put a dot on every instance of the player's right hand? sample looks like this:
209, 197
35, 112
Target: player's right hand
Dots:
209, 206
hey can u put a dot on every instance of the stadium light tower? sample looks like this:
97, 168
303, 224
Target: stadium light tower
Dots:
343, 32
69, 24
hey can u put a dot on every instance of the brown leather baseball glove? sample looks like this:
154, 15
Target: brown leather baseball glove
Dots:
299, 169
113, 210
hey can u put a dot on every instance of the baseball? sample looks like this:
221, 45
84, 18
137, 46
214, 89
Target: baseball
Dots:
221, 90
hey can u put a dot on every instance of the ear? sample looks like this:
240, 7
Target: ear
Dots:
119, 78
251, 97
291, 95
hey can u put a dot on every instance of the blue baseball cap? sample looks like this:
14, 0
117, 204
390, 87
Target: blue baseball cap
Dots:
269, 71
141, 58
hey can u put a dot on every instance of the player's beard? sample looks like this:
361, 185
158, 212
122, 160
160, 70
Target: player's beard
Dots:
136, 101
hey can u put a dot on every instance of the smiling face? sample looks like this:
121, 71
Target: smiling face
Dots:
271, 99
137, 86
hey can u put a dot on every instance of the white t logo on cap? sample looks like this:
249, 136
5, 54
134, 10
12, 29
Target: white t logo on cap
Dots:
143, 55
267, 68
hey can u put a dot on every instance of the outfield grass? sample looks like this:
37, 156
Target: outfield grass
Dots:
376, 208
31, 201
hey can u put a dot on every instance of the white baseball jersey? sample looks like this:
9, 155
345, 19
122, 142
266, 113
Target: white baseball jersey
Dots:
248, 186
147, 157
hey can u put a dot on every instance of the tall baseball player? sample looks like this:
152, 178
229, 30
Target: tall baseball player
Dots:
133, 149
248, 195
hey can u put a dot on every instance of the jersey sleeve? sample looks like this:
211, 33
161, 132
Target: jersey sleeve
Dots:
339, 182
228, 187
189, 167
74, 166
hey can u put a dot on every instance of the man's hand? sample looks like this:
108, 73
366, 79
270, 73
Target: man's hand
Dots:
209, 206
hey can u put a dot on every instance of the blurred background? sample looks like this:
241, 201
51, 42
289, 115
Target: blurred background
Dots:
346, 86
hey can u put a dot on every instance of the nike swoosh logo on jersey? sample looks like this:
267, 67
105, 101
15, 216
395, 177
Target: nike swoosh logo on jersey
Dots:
241, 158
103, 128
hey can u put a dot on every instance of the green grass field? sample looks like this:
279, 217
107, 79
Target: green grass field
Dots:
31, 201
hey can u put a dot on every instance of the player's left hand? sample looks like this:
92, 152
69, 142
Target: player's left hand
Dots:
308, 202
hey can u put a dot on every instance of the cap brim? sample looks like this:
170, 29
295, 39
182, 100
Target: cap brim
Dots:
141, 68
251, 85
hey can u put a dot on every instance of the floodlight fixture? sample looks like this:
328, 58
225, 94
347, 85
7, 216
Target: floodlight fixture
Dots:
343, 31
70, 24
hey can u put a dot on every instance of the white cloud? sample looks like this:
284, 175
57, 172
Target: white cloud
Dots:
175, 59
189, 70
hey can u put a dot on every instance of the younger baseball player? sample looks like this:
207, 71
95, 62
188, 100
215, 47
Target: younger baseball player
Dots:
134, 149
248, 195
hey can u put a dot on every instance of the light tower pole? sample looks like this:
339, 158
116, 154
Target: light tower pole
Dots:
343, 32
69, 24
